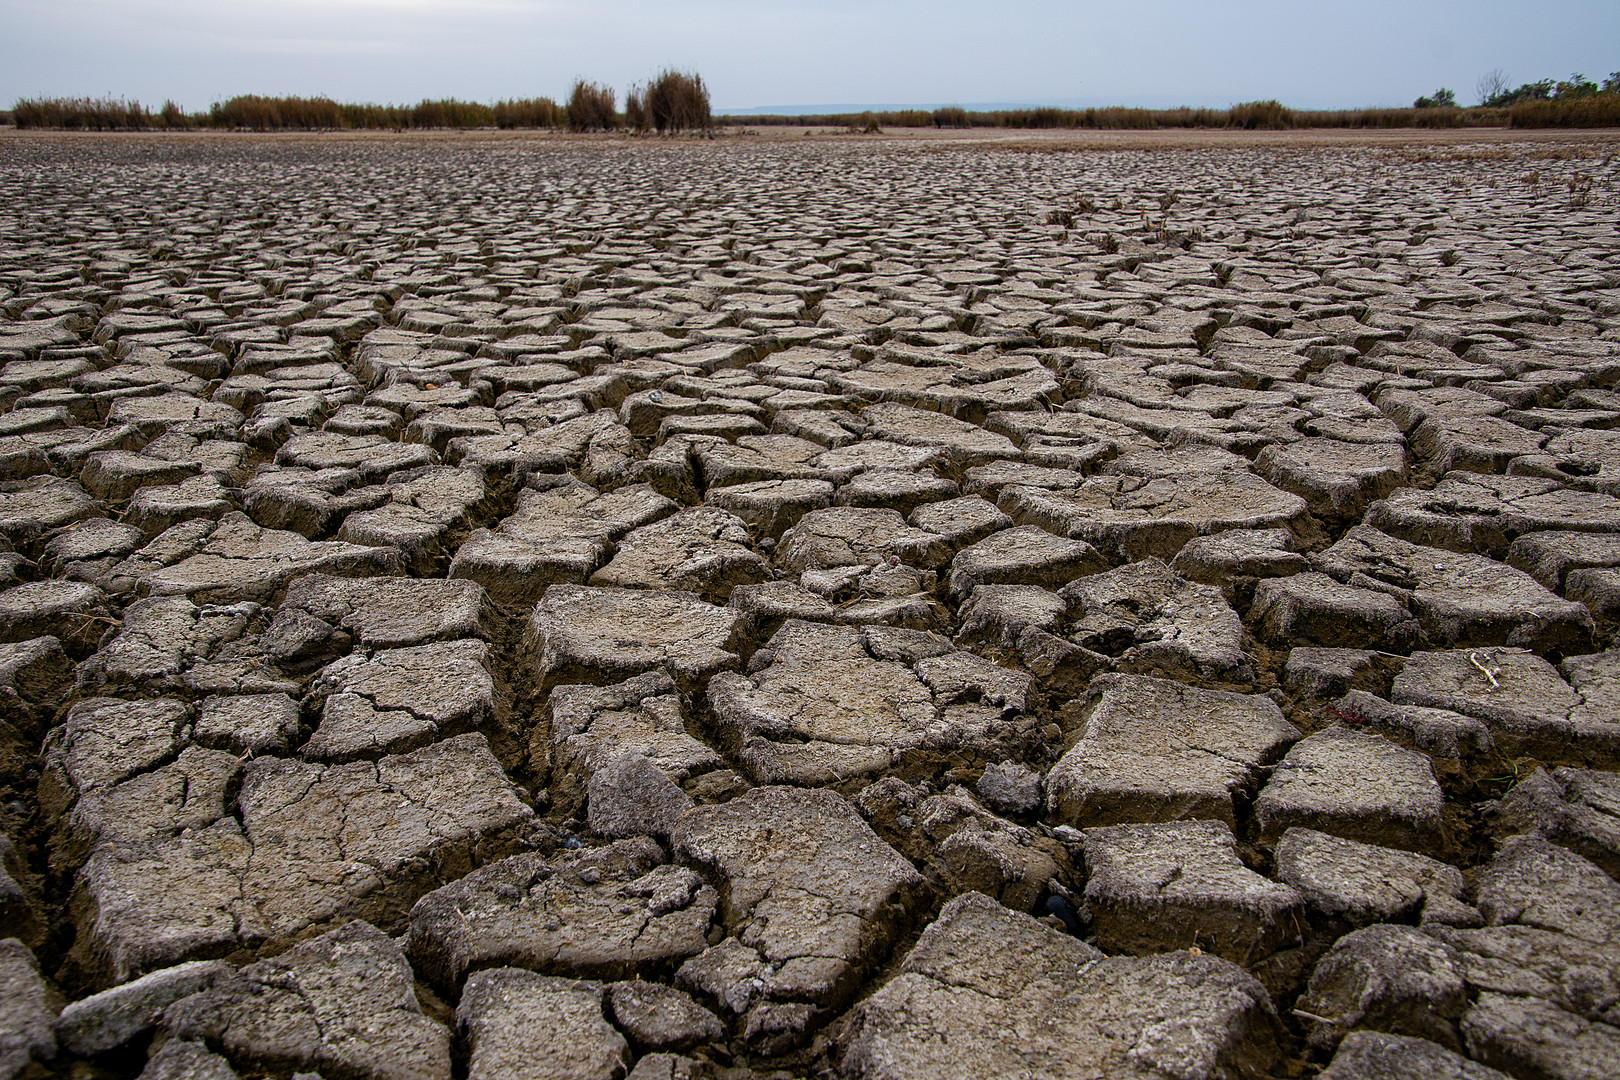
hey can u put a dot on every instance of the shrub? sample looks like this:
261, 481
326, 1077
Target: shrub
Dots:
592, 107
1438, 116
527, 113
676, 101
82, 114
1578, 86
1599, 110
277, 114
451, 113
1260, 115
173, 116
951, 116
1536, 91
1443, 99
908, 118
1114, 118
257, 113
397, 117
635, 110
1045, 117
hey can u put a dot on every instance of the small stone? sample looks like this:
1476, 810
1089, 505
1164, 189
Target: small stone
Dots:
1010, 788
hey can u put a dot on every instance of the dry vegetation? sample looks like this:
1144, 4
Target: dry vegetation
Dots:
676, 101
592, 107
252, 112
1599, 110
1248, 116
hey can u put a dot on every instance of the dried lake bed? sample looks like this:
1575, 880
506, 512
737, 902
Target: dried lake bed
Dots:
810, 605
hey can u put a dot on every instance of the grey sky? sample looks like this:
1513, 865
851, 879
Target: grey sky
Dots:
786, 52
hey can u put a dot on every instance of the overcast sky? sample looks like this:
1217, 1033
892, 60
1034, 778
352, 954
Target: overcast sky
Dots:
791, 52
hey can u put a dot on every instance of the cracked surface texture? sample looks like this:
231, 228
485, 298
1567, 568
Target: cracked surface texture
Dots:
765, 608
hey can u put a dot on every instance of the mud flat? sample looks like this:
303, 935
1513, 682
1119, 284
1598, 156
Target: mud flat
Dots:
841, 607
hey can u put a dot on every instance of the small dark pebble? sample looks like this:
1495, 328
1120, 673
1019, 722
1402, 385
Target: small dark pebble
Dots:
1062, 909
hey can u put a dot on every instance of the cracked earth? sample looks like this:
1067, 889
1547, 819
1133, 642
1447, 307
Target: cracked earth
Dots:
837, 608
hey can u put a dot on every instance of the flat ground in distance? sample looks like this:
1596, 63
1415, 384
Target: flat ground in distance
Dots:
800, 604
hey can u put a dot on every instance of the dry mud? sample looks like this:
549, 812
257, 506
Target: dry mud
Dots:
809, 608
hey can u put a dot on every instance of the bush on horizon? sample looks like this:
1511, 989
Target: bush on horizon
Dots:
1598, 110
677, 101
258, 113
635, 110
1442, 99
82, 114
539, 112
592, 107
1260, 115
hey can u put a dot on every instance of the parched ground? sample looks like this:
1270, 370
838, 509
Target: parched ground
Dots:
943, 605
